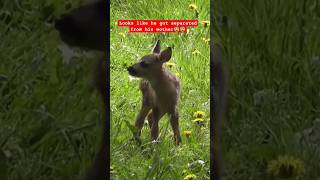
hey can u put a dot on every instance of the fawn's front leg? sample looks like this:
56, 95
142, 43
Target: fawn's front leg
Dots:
174, 121
156, 116
149, 118
140, 118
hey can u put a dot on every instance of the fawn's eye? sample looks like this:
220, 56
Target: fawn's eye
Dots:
143, 64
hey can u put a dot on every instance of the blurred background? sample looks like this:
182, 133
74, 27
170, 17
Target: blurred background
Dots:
272, 49
50, 112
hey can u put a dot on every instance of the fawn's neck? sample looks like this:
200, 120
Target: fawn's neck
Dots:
164, 83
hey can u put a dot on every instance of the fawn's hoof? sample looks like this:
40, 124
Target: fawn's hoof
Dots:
178, 140
155, 141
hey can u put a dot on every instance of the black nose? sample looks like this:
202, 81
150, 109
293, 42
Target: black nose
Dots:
131, 71
65, 24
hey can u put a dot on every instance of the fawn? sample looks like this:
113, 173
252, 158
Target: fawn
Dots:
91, 33
160, 90
86, 27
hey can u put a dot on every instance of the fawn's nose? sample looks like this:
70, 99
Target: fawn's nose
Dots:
66, 25
131, 70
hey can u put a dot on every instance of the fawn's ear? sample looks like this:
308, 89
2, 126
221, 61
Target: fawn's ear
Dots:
157, 47
165, 55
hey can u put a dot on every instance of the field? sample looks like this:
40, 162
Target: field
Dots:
273, 50
190, 61
50, 113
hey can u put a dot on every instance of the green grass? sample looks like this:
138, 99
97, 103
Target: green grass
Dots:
272, 52
163, 160
50, 113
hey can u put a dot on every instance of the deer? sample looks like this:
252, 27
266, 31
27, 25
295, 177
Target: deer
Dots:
160, 92
86, 27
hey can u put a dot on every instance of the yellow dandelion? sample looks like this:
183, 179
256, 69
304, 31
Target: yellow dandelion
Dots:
190, 177
193, 7
199, 114
170, 64
196, 52
199, 121
206, 40
205, 23
187, 133
286, 167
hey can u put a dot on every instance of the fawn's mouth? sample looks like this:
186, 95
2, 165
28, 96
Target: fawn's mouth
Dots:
132, 71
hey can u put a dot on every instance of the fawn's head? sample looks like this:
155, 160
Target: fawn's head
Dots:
150, 64
85, 27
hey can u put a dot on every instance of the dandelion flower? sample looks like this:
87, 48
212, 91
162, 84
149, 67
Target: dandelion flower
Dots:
187, 133
286, 167
199, 114
193, 7
199, 121
190, 177
196, 52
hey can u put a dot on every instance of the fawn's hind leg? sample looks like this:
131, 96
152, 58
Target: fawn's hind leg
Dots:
174, 121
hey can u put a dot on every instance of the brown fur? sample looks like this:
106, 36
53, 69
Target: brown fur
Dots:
160, 90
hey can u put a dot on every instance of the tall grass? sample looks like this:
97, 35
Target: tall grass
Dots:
163, 160
273, 56
50, 113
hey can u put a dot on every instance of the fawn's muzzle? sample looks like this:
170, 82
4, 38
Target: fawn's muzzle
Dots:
68, 30
132, 71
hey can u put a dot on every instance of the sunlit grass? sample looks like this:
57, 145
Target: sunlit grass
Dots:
163, 160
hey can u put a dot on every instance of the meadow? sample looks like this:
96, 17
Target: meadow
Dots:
51, 114
190, 62
272, 125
